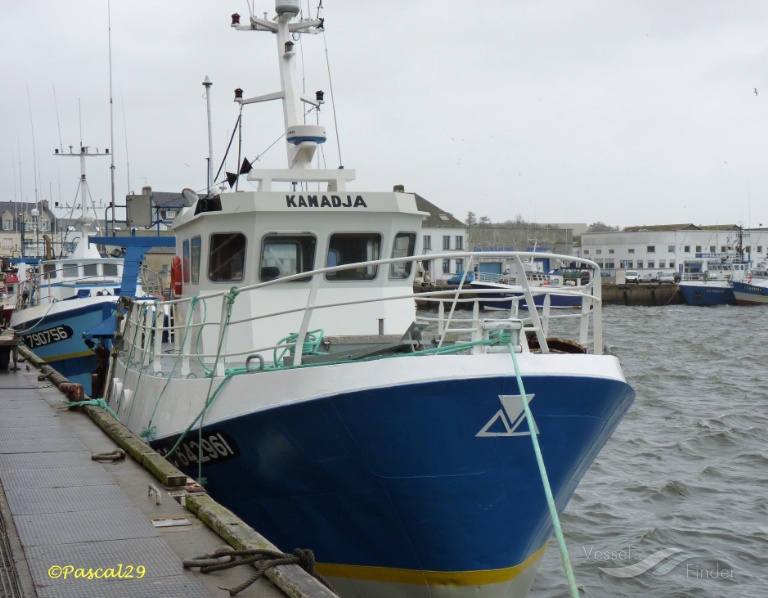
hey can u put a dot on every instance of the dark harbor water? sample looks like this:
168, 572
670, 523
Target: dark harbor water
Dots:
686, 472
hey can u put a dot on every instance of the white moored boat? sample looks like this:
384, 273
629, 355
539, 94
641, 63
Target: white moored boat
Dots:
303, 389
55, 302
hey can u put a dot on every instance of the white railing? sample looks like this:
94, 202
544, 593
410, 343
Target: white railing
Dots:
165, 336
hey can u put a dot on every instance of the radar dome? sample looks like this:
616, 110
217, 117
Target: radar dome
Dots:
288, 6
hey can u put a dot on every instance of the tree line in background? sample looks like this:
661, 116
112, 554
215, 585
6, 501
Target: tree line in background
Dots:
520, 222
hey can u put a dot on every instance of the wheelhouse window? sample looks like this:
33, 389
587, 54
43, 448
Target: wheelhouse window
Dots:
49, 271
90, 270
353, 248
185, 260
226, 257
110, 269
284, 255
404, 246
70, 271
196, 249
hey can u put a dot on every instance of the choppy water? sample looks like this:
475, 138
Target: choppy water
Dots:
687, 469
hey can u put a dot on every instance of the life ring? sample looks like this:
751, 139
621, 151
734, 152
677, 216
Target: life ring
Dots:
176, 285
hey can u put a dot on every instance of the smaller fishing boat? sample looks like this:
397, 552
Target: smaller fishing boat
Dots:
56, 302
549, 288
753, 290
500, 292
708, 278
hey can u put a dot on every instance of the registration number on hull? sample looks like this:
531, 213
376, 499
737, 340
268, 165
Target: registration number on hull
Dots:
212, 447
46, 337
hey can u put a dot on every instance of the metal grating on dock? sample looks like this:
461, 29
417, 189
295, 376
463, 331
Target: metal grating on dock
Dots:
67, 511
9, 582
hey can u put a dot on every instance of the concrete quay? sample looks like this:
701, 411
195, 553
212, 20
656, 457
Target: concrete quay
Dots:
74, 526
647, 294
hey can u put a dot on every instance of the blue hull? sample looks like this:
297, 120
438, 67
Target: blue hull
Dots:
402, 478
58, 339
496, 301
707, 294
749, 294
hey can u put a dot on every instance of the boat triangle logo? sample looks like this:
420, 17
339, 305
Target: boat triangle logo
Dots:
508, 420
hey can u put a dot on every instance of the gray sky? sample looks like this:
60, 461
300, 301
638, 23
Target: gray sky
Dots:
626, 112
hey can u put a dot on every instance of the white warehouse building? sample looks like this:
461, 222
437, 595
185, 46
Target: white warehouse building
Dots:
673, 247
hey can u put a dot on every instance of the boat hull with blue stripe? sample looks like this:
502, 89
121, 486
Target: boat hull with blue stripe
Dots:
383, 499
699, 292
751, 293
54, 332
499, 296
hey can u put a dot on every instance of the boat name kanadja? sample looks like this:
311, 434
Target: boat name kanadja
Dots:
323, 201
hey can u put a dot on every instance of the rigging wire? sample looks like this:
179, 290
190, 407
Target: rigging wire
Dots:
58, 122
229, 146
34, 151
333, 101
239, 147
125, 135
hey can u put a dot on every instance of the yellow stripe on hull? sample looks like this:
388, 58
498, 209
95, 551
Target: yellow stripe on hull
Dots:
68, 356
431, 578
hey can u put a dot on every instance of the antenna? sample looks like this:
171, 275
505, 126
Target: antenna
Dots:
34, 153
207, 84
125, 134
13, 166
58, 123
111, 121
21, 179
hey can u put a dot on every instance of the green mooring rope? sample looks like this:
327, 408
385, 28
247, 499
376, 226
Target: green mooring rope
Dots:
95, 403
545, 481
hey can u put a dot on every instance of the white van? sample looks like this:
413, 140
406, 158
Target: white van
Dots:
632, 276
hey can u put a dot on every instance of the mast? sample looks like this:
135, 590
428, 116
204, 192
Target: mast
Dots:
301, 139
111, 123
84, 249
207, 84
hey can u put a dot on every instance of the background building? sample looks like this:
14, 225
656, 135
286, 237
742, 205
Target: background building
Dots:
668, 247
441, 233
27, 229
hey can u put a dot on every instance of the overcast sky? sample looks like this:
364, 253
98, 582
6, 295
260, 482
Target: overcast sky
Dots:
626, 112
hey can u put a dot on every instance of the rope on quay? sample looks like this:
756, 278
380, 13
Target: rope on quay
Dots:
545, 481
262, 559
